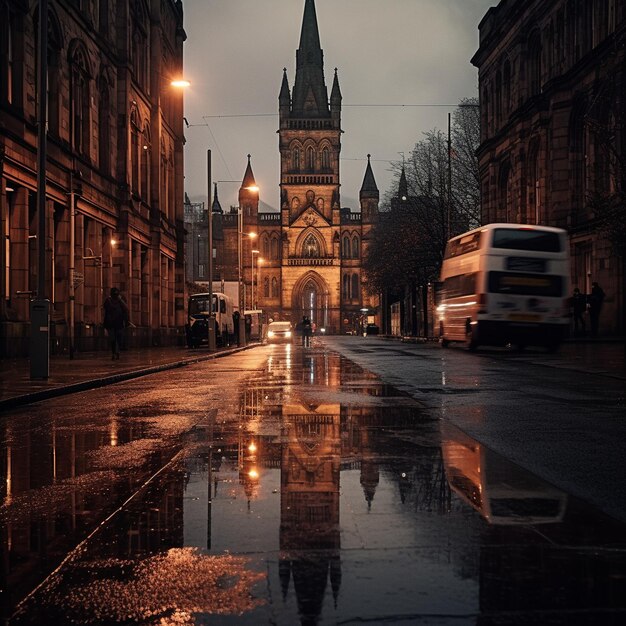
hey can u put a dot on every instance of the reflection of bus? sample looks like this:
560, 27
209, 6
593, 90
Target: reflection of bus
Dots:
505, 283
502, 492
198, 319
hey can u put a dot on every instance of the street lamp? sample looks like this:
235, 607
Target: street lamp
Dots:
252, 253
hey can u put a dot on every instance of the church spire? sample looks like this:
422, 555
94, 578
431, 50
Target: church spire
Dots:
369, 188
403, 188
310, 96
248, 178
216, 207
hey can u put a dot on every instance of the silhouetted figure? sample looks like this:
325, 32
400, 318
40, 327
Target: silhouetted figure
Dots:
579, 307
115, 320
307, 331
596, 298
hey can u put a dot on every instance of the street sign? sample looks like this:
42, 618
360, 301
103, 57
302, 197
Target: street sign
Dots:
79, 279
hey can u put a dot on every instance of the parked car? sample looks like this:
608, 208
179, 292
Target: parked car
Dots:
371, 329
280, 332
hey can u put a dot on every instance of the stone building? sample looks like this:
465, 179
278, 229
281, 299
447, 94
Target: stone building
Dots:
115, 168
312, 249
552, 93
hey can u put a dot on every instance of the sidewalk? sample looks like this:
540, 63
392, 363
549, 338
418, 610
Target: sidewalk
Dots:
91, 370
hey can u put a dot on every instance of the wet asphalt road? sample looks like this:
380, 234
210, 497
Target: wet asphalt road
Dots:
287, 486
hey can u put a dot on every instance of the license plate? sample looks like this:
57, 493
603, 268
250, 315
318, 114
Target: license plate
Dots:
524, 317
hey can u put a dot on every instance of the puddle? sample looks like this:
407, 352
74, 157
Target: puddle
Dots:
297, 506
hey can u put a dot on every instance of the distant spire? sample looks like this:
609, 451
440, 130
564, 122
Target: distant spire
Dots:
248, 177
216, 207
369, 187
403, 188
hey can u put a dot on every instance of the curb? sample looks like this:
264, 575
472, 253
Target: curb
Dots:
95, 383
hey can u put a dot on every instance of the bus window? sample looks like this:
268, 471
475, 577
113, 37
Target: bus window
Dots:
526, 239
198, 305
463, 245
526, 284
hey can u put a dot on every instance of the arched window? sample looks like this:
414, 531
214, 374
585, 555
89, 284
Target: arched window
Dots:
275, 293
578, 146
346, 247
533, 203
275, 248
355, 287
295, 159
311, 247
506, 87
498, 98
325, 158
355, 247
79, 101
266, 287
104, 127
534, 63
134, 150
310, 159
346, 286
140, 44
265, 246
504, 193
146, 151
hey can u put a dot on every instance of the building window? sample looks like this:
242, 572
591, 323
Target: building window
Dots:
275, 247
146, 152
355, 287
355, 247
311, 247
346, 247
346, 286
79, 104
265, 247
274, 287
103, 17
295, 159
498, 98
325, 159
504, 192
134, 150
310, 159
506, 87
534, 63
533, 187
104, 127
266, 287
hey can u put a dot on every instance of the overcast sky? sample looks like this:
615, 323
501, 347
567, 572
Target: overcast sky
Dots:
388, 52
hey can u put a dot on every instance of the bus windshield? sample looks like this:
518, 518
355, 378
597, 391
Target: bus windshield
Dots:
200, 304
526, 239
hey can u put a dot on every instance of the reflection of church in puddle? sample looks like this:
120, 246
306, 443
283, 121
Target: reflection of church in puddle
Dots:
311, 444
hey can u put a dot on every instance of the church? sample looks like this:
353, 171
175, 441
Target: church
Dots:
307, 258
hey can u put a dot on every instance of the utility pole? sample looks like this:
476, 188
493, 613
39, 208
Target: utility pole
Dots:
449, 199
40, 306
211, 330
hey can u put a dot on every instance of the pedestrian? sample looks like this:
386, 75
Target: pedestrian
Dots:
596, 298
579, 308
306, 332
116, 319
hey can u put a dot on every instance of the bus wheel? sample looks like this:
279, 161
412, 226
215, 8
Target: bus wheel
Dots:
470, 337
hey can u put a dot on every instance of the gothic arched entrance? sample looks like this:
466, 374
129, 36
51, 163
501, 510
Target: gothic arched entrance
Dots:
310, 299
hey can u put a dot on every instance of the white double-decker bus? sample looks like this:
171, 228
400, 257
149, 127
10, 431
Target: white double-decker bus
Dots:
505, 283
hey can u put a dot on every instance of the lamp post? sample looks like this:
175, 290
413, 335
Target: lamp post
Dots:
252, 253
40, 306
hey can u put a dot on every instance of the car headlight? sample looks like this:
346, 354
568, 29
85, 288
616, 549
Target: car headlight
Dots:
288, 333
270, 333
322, 330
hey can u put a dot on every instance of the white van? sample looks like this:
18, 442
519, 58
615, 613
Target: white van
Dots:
505, 283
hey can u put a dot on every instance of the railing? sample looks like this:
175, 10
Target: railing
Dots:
298, 261
309, 179
269, 217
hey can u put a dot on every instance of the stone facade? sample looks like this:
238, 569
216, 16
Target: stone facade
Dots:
115, 168
552, 92
312, 249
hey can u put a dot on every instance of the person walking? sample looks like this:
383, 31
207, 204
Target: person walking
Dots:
579, 307
596, 299
115, 320
306, 332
